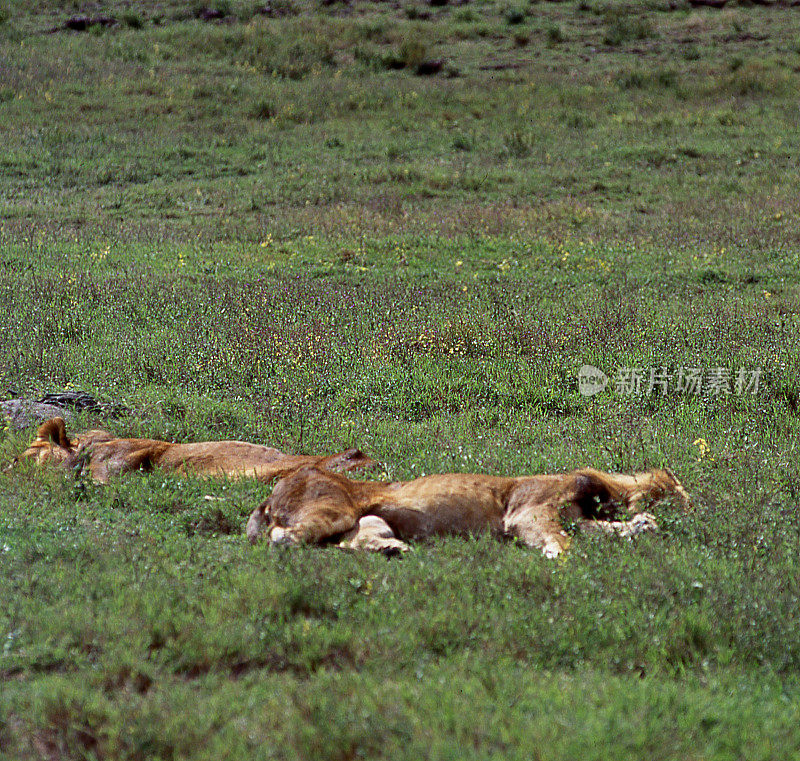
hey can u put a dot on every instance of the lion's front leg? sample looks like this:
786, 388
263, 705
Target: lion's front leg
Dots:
639, 524
539, 527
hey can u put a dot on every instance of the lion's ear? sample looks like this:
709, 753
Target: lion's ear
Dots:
350, 459
54, 431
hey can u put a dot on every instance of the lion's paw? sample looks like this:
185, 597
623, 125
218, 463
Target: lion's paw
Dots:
551, 550
282, 536
639, 524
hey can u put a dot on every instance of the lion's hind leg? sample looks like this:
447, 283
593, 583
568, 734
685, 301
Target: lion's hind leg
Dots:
373, 534
314, 526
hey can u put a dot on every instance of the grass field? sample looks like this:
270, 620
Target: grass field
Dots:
276, 226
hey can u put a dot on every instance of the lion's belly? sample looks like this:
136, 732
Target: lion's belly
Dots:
215, 457
447, 505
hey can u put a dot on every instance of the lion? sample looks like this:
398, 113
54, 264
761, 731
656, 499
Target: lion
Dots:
311, 505
105, 456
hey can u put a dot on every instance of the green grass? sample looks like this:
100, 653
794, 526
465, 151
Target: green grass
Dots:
274, 229
184, 128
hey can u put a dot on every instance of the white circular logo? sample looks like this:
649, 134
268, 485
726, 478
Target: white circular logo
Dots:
591, 380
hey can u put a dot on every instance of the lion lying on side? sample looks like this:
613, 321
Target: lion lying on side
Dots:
311, 505
106, 456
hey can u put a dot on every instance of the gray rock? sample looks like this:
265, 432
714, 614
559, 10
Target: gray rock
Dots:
22, 413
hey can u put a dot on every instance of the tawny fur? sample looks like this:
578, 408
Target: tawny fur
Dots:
311, 505
106, 456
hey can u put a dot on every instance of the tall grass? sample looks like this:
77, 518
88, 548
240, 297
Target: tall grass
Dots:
271, 227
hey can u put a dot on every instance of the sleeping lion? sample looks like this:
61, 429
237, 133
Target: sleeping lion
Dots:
312, 505
106, 456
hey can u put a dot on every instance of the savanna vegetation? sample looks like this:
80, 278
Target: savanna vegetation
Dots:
402, 226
